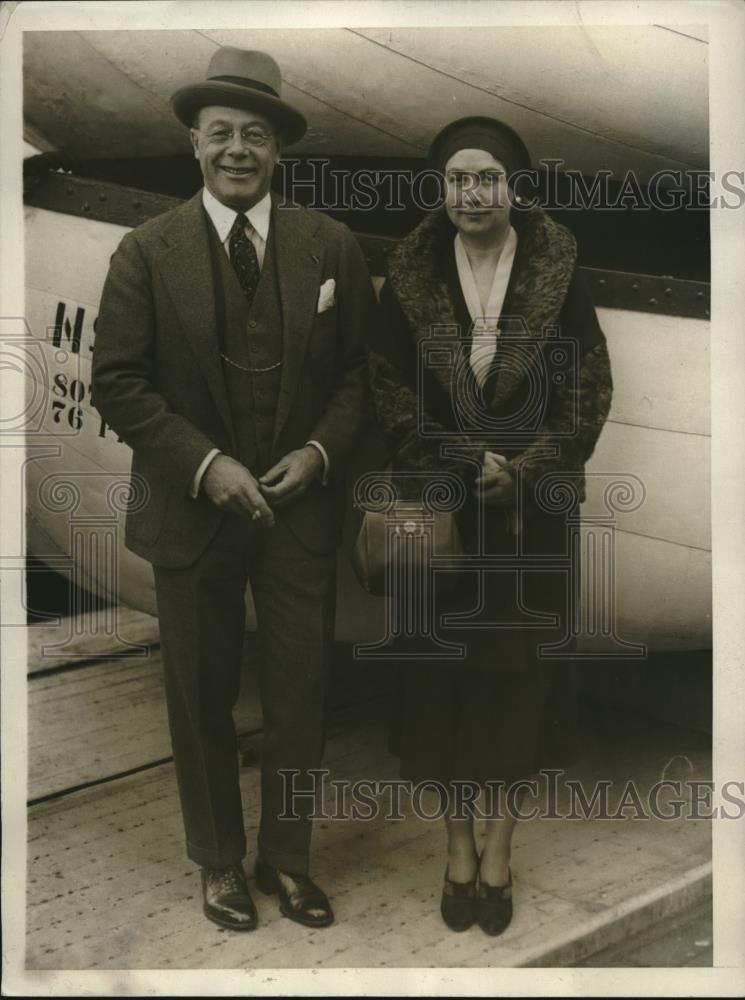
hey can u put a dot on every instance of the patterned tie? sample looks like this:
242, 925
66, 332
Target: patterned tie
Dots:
243, 257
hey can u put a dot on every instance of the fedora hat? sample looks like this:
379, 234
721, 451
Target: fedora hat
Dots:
239, 78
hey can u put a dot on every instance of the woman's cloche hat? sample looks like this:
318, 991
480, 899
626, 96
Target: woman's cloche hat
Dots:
478, 132
239, 78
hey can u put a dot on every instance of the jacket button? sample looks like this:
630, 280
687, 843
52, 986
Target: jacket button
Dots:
252, 323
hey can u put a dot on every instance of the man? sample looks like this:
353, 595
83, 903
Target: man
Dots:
230, 356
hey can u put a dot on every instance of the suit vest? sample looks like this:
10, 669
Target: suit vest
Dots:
252, 338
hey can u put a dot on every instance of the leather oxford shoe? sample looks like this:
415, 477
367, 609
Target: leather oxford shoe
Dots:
227, 901
300, 899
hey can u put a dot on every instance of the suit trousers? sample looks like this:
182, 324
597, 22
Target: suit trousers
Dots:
202, 622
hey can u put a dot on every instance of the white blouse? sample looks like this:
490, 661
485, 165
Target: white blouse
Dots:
485, 322
485, 331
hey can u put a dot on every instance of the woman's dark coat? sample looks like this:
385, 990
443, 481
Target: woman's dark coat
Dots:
542, 406
548, 308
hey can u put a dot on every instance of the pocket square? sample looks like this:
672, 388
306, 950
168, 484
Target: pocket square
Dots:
326, 296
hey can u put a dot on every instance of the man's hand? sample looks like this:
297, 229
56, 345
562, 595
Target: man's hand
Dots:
230, 486
495, 485
291, 476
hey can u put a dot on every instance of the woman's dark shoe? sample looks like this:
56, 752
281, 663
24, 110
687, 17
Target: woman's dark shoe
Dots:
458, 904
298, 895
227, 901
494, 907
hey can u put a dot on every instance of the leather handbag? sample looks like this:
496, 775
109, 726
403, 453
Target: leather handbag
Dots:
409, 533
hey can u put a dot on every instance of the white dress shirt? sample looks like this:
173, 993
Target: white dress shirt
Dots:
485, 330
223, 218
257, 230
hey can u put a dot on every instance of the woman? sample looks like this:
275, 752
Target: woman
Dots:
523, 396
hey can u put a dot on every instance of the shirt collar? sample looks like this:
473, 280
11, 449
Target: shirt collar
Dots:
223, 217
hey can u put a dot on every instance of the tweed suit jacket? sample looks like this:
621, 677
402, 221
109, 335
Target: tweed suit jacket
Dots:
158, 379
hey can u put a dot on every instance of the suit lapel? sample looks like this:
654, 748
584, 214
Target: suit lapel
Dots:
299, 260
186, 269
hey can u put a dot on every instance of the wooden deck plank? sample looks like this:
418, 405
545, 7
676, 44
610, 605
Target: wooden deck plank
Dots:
108, 718
109, 887
85, 725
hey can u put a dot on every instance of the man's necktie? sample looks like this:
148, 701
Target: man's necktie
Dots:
243, 257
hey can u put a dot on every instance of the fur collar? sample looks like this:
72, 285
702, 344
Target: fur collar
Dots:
544, 264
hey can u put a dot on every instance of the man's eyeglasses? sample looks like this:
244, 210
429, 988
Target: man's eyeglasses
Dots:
251, 136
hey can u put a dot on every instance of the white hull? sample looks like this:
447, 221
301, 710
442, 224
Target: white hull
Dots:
658, 434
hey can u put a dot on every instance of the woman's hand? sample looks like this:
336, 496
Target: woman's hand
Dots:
495, 485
